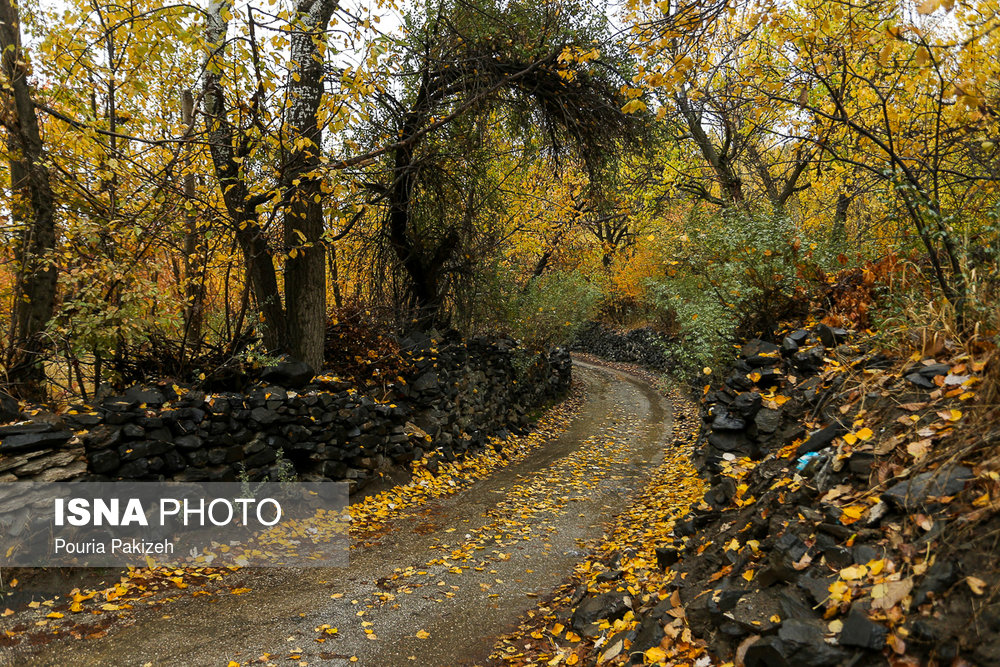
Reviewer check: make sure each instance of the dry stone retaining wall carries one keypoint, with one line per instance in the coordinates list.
(457, 394)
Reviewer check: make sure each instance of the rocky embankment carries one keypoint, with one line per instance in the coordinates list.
(837, 528)
(849, 518)
(453, 395)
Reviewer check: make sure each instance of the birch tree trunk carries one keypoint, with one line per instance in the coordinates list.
(305, 267)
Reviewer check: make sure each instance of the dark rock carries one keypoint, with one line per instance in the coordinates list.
(174, 462)
(103, 461)
(724, 599)
(836, 556)
(103, 436)
(940, 577)
(738, 381)
(134, 469)
(860, 631)
(911, 495)
(263, 416)
(722, 491)
(769, 377)
(747, 405)
(609, 575)
(763, 361)
(829, 336)
(83, 420)
(260, 458)
(817, 586)
(667, 556)
(724, 422)
(26, 427)
(426, 382)
(650, 634)
(152, 398)
(809, 361)
(754, 611)
(791, 547)
(789, 346)
(192, 475)
(766, 652)
(799, 336)
(934, 370)
(805, 645)
(768, 420)
(197, 457)
(288, 372)
(920, 381)
(756, 347)
(142, 449)
(188, 442)
(821, 439)
(865, 553)
(606, 606)
(33, 440)
(732, 442)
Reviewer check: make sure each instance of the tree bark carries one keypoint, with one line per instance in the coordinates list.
(33, 207)
(729, 181)
(838, 233)
(257, 255)
(194, 266)
(305, 266)
(423, 287)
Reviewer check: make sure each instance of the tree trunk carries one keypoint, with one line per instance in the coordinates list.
(838, 234)
(729, 181)
(338, 300)
(305, 267)
(194, 266)
(422, 284)
(257, 255)
(33, 206)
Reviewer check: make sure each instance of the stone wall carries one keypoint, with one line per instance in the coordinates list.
(645, 346)
(456, 394)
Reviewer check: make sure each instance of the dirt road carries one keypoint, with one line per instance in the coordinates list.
(436, 590)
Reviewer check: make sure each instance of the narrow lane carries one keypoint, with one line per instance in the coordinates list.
(437, 590)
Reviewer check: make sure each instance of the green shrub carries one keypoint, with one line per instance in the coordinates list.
(548, 311)
(736, 275)
(553, 308)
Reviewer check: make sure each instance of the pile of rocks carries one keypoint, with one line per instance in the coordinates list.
(736, 417)
(455, 395)
(644, 346)
(841, 525)
(773, 547)
(40, 451)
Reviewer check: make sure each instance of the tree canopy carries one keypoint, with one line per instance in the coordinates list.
(189, 184)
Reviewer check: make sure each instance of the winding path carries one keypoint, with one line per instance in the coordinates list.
(459, 576)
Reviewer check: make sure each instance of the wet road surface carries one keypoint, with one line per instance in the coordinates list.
(436, 590)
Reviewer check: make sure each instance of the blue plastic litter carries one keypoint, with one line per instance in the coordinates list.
(804, 460)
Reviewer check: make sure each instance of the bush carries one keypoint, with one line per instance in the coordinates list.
(736, 275)
(548, 311)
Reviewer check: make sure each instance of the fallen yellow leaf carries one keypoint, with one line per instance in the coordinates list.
(976, 584)
(655, 655)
